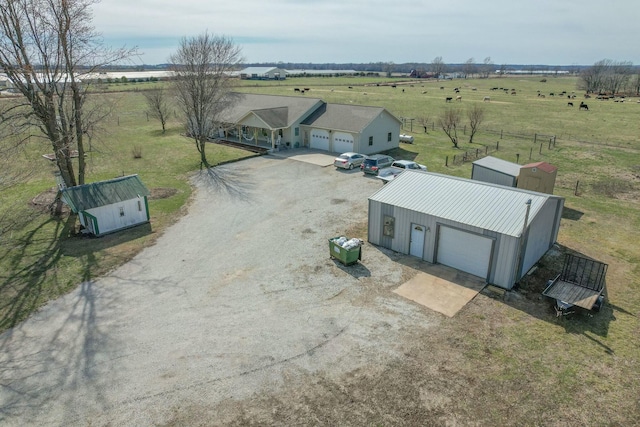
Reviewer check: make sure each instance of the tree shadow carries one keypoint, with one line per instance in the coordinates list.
(226, 179)
(33, 370)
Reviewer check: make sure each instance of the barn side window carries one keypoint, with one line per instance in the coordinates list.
(370, 140)
(121, 211)
(388, 226)
(139, 205)
(389, 137)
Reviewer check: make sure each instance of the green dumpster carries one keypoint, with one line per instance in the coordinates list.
(345, 256)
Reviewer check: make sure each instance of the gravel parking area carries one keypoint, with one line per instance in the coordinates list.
(236, 301)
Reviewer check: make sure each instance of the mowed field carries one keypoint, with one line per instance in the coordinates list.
(510, 361)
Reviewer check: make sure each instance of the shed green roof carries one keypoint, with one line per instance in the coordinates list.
(102, 193)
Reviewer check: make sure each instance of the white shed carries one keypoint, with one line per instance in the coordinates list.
(107, 206)
(496, 171)
(488, 230)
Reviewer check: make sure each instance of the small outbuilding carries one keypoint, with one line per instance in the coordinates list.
(496, 171)
(108, 206)
(539, 176)
(488, 230)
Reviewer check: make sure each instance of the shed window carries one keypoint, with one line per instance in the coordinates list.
(389, 225)
(121, 211)
(139, 205)
(389, 137)
(370, 140)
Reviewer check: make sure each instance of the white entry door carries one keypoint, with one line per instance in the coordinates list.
(416, 247)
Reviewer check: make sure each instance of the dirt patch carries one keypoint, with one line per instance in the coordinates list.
(162, 193)
(44, 202)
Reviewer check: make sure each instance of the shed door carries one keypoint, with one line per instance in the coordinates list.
(320, 139)
(416, 247)
(464, 251)
(342, 142)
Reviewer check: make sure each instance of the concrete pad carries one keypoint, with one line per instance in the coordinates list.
(442, 289)
(316, 157)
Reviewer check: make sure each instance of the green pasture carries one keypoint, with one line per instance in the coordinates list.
(524, 352)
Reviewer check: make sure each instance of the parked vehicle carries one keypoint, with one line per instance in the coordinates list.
(349, 160)
(388, 174)
(407, 164)
(372, 164)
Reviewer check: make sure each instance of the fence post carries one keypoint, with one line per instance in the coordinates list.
(477, 153)
(540, 148)
(497, 145)
(446, 161)
(464, 130)
(530, 152)
(500, 133)
(554, 141)
(118, 120)
(454, 159)
(575, 193)
(518, 158)
(486, 150)
(535, 138)
(550, 143)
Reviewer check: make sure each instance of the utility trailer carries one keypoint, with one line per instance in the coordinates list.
(580, 284)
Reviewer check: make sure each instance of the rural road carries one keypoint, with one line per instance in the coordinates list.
(238, 299)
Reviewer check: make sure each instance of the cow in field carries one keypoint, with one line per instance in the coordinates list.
(569, 104)
(486, 99)
(448, 99)
(584, 106)
(459, 98)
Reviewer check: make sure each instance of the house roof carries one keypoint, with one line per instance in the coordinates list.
(349, 118)
(499, 165)
(102, 193)
(488, 206)
(543, 166)
(277, 111)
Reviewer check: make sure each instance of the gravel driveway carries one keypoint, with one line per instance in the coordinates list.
(238, 299)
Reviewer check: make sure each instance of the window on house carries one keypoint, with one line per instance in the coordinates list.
(297, 131)
(370, 140)
(121, 211)
(389, 137)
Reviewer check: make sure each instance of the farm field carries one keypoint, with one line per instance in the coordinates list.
(514, 362)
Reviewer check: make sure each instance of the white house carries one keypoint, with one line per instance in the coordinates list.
(491, 231)
(108, 206)
(300, 121)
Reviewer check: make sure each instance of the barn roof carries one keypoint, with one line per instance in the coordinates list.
(543, 166)
(487, 206)
(499, 165)
(102, 193)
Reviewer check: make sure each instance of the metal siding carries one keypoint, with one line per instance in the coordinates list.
(375, 223)
(483, 174)
(386, 241)
(539, 238)
(503, 274)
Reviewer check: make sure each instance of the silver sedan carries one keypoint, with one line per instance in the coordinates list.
(349, 160)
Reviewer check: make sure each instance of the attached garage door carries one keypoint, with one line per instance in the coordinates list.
(320, 139)
(464, 251)
(342, 142)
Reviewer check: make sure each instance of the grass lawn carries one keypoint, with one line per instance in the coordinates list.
(519, 363)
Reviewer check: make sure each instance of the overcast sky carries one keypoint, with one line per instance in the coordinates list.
(551, 32)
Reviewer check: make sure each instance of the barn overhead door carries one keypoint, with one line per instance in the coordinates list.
(320, 139)
(464, 251)
(342, 142)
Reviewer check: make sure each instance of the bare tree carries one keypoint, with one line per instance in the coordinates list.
(47, 47)
(487, 67)
(475, 114)
(618, 76)
(449, 122)
(438, 66)
(469, 68)
(424, 122)
(202, 67)
(388, 68)
(158, 105)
